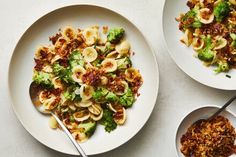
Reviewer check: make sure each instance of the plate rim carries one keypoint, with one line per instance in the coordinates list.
(182, 67)
(153, 53)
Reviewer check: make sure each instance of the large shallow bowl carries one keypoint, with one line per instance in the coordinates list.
(20, 77)
(184, 56)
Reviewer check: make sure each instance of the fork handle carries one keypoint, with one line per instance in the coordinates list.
(78, 147)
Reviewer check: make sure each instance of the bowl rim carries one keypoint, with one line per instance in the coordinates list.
(153, 53)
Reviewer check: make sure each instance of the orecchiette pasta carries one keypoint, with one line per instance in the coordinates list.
(87, 79)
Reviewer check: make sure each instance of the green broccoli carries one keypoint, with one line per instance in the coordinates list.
(75, 59)
(221, 10)
(127, 99)
(70, 94)
(111, 97)
(115, 35)
(124, 63)
(196, 24)
(207, 54)
(222, 67)
(190, 14)
(88, 128)
(42, 78)
(233, 36)
(99, 94)
(107, 120)
(62, 72)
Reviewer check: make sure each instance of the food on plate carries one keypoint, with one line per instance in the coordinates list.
(210, 27)
(87, 78)
(209, 138)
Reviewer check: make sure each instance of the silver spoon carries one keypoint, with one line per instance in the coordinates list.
(34, 91)
(218, 111)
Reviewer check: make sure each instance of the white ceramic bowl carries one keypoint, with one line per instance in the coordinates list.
(21, 71)
(195, 115)
(184, 56)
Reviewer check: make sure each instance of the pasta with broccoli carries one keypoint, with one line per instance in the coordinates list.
(209, 26)
(87, 79)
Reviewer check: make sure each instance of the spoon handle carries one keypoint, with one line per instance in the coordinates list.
(78, 147)
(223, 107)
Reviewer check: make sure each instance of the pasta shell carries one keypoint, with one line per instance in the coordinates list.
(79, 136)
(120, 116)
(104, 80)
(109, 65)
(220, 43)
(69, 33)
(43, 95)
(61, 43)
(53, 123)
(40, 52)
(131, 74)
(90, 54)
(47, 69)
(123, 48)
(113, 55)
(57, 83)
(77, 73)
(70, 125)
(81, 115)
(232, 19)
(111, 107)
(50, 103)
(95, 109)
(55, 58)
(90, 35)
(205, 16)
(187, 38)
(86, 92)
(97, 117)
(197, 44)
(86, 103)
(232, 2)
(124, 86)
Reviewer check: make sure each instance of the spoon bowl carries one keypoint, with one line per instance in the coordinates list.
(198, 114)
(34, 91)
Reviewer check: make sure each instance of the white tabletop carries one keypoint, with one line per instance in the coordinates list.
(178, 93)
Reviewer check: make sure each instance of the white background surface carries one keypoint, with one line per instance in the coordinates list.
(178, 93)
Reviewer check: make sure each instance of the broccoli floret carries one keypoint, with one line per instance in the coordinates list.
(190, 14)
(75, 59)
(111, 97)
(233, 36)
(107, 120)
(222, 67)
(88, 128)
(221, 10)
(63, 73)
(196, 24)
(127, 99)
(124, 63)
(99, 94)
(70, 94)
(207, 54)
(42, 78)
(115, 35)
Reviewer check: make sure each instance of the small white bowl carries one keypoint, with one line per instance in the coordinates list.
(200, 113)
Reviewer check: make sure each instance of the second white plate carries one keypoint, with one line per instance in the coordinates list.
(184, 56)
